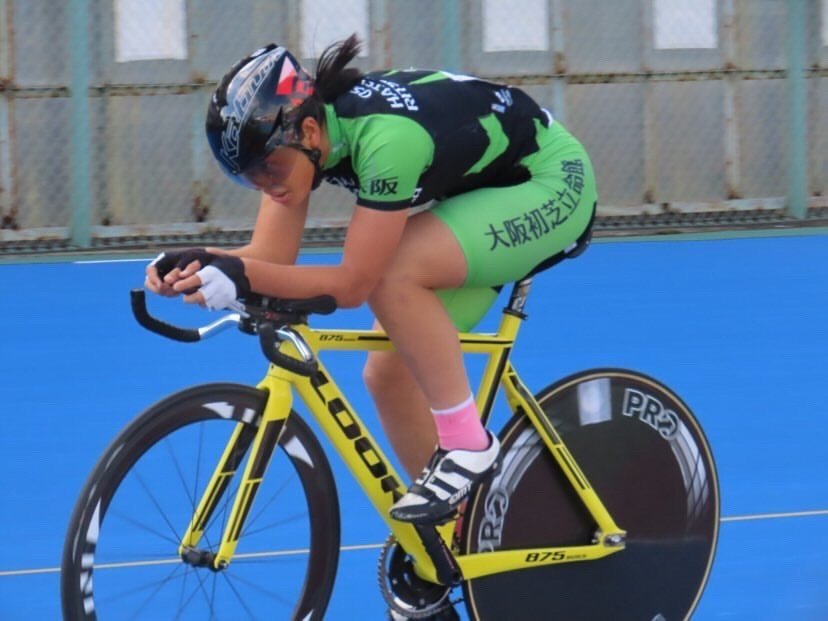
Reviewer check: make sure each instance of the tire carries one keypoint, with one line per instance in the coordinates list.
(649, 461)
(131, 514)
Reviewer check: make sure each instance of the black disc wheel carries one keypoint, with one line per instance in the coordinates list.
(121, 557)
(649, 462)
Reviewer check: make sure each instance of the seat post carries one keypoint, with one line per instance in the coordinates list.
(517, 300)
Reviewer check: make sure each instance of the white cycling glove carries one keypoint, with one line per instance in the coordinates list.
(223, 282)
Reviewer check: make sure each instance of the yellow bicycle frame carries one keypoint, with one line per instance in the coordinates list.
(375, 474)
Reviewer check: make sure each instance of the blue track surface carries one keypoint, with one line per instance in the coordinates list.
(736, 327)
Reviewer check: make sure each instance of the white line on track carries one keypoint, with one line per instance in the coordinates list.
(367, 546)
(99, 261)
(773, 516)
(173, 560)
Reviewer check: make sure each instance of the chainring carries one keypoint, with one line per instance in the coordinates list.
(403, 590)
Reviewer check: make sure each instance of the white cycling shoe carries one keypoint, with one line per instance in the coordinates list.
(445, 483)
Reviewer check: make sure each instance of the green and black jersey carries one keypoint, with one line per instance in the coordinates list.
(514, 187)
(403, 138)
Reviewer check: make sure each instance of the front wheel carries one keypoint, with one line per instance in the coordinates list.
(128, 523)
(649, 462)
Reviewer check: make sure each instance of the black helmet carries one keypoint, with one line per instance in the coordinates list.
(249, 113)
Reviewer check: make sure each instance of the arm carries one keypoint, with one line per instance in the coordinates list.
(277, 235)
(276, 238)
(370, 244)
(392, 155)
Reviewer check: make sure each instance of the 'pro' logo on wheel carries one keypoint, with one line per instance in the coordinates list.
(651, 411)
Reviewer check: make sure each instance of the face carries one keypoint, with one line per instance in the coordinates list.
(286, 175)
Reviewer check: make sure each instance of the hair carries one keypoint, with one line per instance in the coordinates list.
(332, 78)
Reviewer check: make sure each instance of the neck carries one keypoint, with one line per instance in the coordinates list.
(324, 145)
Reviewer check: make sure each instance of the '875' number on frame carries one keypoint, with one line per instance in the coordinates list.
(542, 557)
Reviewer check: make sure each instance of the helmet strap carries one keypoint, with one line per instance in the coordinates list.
(314, 155)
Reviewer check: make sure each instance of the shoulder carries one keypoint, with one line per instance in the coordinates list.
(388, 92)
(385, 128)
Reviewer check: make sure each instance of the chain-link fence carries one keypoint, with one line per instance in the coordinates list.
(696, 112)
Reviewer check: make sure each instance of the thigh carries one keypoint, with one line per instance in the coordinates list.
(429, 254)
(467, 305)
(432, 256)
(506, 232)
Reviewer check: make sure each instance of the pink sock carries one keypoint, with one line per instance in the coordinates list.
(460, 427)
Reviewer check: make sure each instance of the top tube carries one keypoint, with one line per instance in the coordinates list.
(278, 311)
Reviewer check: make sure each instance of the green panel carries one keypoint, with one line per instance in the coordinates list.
(498, 142)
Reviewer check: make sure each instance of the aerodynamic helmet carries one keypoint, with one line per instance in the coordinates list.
(252, 109)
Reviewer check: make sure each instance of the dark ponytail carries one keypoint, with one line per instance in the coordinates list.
(333, 76)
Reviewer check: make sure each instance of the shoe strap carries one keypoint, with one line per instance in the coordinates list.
(451, 466)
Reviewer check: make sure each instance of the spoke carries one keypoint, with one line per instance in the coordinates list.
(271, 594)
(198, 462)
(192, 497)
(155, 502)
(264, 507)
(207, 597)
(154, 583)
(238, 596)
(181, 603)
(179, 471)
(213, 599)
(142, 526)
(282, 522)
(192, 593)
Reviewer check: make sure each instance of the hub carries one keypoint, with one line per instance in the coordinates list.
(200, 558)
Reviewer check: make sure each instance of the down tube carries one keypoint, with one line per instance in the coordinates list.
(363, 457)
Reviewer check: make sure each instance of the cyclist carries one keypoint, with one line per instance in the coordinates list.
(509, 192)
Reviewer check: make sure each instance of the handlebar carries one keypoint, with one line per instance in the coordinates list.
(268, 317)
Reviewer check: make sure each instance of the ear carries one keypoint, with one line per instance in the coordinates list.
(311, 132)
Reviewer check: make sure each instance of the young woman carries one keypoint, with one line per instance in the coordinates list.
(513, 192)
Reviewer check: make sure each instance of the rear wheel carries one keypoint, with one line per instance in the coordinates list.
(648, 460)
(128, 523)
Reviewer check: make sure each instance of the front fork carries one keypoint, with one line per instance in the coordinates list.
(260, 440)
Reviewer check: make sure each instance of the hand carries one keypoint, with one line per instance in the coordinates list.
(172, 266)
(217, 285)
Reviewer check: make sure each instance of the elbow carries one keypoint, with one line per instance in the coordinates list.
(353, 293)
(350, 298)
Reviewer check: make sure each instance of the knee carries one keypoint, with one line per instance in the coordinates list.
(394, 288)
(383, 371)
(383, 291)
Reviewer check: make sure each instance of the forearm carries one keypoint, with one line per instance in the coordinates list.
(273, 254)
(306, 281)
(277, 236)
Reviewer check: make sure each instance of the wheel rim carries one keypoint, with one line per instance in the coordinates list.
(131, 538)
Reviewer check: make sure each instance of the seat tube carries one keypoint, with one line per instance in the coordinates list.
(510, 323)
